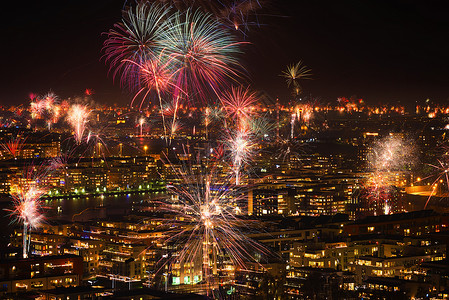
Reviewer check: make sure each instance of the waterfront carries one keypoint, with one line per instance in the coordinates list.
(85, 208)
(81, 208)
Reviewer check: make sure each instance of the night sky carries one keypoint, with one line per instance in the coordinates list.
(381, 51)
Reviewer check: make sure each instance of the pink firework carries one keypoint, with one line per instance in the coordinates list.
(44, 106)
(14, 146)
(78, 117)
(51, 105)
(205, 53)
(155, 75)
(137, 38)
(238, 104)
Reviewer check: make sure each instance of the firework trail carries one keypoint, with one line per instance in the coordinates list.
(52, 108)
(212, 114)
(261, 127)
(238, 13)
(439, 176)
(77, 117)
(287, 149)
(155, 74)
(14, 146)
(95, 140)
(302, 114)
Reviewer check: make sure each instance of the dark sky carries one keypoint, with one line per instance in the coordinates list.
(381, 51)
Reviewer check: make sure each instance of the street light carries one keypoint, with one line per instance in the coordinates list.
(145, 148)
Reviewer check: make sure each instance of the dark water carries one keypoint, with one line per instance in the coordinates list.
(82, 209)
(78, 209)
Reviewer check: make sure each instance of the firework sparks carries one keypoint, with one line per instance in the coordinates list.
(439, 177)
(241, 146)
(206, 224)
(155, 75)
(287, 150)
(236, 14)
(27, 208)
(39, 106)
(78, 117)
(391, 154)
(238, 105)
(27, 211)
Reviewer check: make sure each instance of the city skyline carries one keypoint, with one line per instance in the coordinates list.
(232, 149)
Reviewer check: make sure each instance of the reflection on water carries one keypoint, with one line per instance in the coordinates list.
(82, 209)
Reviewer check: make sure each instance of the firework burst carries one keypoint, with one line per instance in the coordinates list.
(204, 51)
(392, 153)
(155, 75)
(294, 73)
(136, 39)
(28, 211)
(14, 146)
(238, 103)
(389, 156)
(206, 225)
(236, 14)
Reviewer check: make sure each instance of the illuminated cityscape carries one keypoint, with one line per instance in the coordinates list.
(187, 178)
